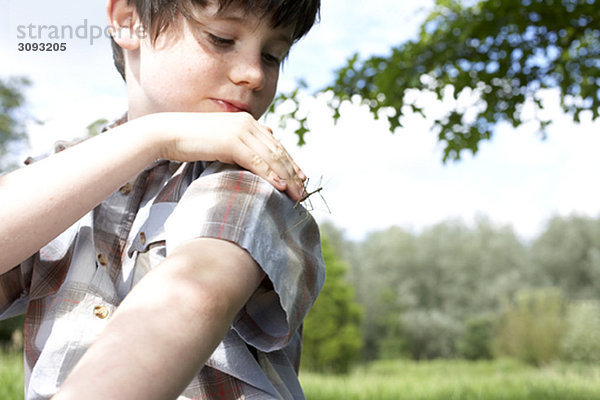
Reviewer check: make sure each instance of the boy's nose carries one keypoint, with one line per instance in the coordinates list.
(248, 71)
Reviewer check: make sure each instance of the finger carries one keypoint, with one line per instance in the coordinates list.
(297, 169)
(251, 157)
(275, 154)
(294, 175)
(279, 152)
(296, 190)
(277, 160)
(257, 158)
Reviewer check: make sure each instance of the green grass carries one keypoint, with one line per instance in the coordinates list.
(447, 380)
(433, 380)
(11, 376)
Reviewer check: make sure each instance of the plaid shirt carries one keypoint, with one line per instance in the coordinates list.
(71, 287)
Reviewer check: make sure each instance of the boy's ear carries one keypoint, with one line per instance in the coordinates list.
(126, 29)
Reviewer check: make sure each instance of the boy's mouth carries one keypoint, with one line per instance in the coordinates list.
(232, 106)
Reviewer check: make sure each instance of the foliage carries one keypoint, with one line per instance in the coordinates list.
(475, 342)
(429, 334)
(452, 289)
(95, 127)
(567, 255)
(581, 341)
(11, 333)
(346, 250)
(332, 340)
(494, 57)
(456, 379)
(532, 328)
(380, 270)
(444, 276)
(12, 115)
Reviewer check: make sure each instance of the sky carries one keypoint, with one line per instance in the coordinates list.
(371, 179)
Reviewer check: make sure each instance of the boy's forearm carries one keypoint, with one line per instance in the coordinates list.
(167, 327)
(42, 200)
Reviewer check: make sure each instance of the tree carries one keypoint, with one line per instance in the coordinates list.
(344, 248)
(501, 54)
(439, 280)
(332, 339)
(567, 255)
(467, 271)
(581, 341)
(12, 115)
(429, 334)
(386, 274)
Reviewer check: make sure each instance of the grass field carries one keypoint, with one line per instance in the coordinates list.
(448, 380)
(399, 380)
(11, 376)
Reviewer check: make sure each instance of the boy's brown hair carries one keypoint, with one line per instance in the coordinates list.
(157, 15)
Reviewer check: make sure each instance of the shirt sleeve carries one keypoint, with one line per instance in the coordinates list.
(14, 295)
(228, 203)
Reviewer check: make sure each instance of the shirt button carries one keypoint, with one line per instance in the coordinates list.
(143, 238)
(102, 260)
(125, 189)
(101, 312)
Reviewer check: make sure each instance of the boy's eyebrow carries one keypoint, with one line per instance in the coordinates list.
(234, 17)
(284, 38)
(237, 16)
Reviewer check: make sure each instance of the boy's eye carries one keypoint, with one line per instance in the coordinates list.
(271, 59)
(219, 41)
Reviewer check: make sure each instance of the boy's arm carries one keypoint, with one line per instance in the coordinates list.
(168, 326)
(42, 200)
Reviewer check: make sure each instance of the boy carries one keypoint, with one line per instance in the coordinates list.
(209, 268)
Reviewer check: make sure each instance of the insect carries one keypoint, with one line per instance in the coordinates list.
(308, 206)
(307, 194)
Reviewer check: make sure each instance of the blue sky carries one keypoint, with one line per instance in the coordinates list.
(372, 179)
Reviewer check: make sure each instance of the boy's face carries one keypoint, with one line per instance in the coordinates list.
(224, 62)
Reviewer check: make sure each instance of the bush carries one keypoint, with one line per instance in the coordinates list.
(476, 340)
(429, 334)
(582, 340)
(11, 333)
(531, 329)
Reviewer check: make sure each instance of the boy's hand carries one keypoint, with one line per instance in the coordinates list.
(232, 138)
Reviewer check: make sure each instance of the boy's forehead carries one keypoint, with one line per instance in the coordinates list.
(238, 11)
(225, 8)
(232, 9)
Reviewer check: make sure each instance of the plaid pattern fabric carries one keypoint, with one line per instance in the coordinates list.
(71, 287)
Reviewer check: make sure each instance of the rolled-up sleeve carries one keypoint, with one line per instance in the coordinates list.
(14, 288)
(231, 204)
